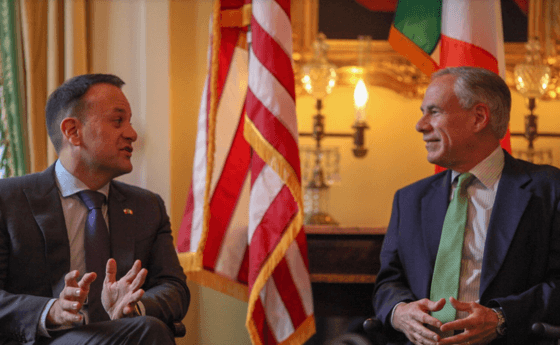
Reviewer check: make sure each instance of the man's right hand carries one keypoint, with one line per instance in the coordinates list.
(65, 310)
(411, 318)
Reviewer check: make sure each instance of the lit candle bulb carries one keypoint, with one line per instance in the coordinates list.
(360, 100)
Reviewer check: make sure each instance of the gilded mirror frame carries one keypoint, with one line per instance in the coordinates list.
(388, 68)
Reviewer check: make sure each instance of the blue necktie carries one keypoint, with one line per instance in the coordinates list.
(98, 247)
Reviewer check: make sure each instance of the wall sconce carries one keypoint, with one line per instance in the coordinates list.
(539, 76)
(319, 78)
(531, 80)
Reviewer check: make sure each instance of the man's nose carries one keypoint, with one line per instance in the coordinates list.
(423, 124)
(131, 134)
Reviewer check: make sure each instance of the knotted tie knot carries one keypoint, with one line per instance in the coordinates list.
(463, 182)
(92, 199)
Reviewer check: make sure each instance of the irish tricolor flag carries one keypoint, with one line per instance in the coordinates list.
(435, 34)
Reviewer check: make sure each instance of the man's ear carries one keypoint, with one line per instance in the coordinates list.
(482, 117)
(71, 129)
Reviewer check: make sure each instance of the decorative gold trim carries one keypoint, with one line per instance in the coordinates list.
(280, 165)
(343, 278)
(389, 69)
(220, 284)
(343, 230)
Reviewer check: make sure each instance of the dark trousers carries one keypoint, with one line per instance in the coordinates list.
(138, 330)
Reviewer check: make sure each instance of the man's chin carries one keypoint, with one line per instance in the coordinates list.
(123, 170)
(436, 159)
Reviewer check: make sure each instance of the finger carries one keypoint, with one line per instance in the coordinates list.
(436, 305)
(432, 321)
(136, 296)
(69, 305)
(133, 272)
(425, 335)
(456, 339)
(140, 279)
(424, 341)
(70, 317)
(458, 305)
(425, 318)
(86, 280)
(111, 271)
(72, 293)
(462, 324)
(70, 279)
(129, 308)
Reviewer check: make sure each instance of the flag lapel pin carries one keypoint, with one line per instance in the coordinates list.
(128, 211)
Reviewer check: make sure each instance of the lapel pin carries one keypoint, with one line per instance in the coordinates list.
(128, 211)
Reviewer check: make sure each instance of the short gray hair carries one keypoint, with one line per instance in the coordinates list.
(475, 85)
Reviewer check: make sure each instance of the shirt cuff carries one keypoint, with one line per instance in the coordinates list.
(42, 328)
(393, 313)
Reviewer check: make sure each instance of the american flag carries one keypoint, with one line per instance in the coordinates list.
(242, 230)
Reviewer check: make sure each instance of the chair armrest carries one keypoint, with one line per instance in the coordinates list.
(546, 330)
(179, 330)
(372, 326)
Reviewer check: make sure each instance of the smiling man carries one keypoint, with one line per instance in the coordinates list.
(84, 258)
(472, 254)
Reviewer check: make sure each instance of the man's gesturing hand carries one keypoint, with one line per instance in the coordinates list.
(119, 297)
(410, 319)
(65, 310)
(479, 327)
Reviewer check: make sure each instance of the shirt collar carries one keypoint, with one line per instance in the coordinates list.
(489, 170)
(69, 184)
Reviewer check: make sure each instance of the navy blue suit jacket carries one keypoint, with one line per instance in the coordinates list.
(35, 252)
(521, 263)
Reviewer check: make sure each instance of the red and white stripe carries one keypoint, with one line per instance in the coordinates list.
(280, 301)
(250, 237)
(226, 240)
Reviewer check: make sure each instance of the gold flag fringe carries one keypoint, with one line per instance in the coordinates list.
(280, 165)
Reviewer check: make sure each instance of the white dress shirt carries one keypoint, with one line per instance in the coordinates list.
(482, 193)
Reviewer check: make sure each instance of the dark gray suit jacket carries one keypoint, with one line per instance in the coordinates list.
(35, 252)
(521, 264)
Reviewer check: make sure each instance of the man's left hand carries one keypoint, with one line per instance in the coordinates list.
(120, 297)
(478, 328)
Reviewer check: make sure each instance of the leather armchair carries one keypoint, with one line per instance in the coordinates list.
(373, 327)
(179, 330)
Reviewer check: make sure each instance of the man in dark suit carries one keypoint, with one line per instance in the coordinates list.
(510, 260)
(48, 292)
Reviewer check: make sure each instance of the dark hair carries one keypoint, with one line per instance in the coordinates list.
(66, 101)
(475, 85)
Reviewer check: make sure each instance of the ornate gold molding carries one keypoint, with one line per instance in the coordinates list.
(388, 69)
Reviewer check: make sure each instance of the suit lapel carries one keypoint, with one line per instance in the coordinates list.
(122, 237)
(509, 206)
(44, 201)
(434, 207)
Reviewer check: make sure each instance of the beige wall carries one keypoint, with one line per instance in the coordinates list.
(213, 318)
(130, 39)
(396, 155)
(159, 48)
